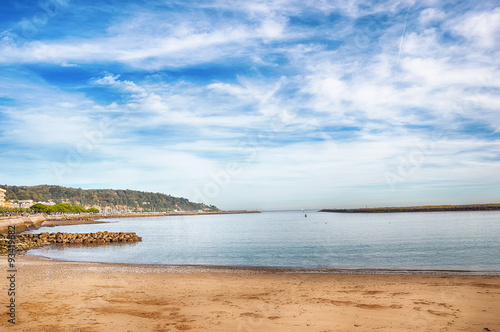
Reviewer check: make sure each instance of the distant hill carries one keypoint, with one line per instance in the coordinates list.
(101, 198)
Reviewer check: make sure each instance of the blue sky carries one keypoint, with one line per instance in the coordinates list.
(255, 104)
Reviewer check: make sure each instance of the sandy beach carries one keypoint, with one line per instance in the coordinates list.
(75, 296)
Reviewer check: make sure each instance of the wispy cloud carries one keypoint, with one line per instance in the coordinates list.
(318, 104)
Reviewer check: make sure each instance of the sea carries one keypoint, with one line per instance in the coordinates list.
(456, 241)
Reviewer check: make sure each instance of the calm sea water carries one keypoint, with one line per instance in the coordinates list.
(431, 240)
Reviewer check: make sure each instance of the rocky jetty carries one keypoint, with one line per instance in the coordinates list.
(30, 241)
(437, 208)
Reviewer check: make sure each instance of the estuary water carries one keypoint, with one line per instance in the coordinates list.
(404, 241)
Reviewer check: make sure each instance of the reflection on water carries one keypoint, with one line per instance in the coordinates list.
(432, 240)
(66, 246)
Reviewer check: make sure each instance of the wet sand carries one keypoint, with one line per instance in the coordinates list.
(53, 223)
(75, 296)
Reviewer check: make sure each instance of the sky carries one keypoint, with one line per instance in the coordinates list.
(255, 104)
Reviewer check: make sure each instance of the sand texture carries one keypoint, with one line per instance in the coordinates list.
(71, 296)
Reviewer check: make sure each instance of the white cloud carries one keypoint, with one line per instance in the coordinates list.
(149, 42)
(431, 15)
(435, 73)
(481, 29)
(107, 80)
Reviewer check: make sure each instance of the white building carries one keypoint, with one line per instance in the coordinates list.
(23, 203)
(2, 196)
(47, 203)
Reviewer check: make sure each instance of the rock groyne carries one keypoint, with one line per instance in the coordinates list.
(23, 242)
(436, 208)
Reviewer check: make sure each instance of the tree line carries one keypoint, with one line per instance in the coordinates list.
(62, 208)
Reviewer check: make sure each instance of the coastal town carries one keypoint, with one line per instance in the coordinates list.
(28, 203)
(47, 198)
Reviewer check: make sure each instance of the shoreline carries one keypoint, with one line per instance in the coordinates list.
(283, 270)
(71, 296)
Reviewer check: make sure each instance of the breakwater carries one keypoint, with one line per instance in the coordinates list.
(24, 242)
(439, 208)
(21, 223)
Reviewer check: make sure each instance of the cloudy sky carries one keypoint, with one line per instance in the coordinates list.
(255, 104)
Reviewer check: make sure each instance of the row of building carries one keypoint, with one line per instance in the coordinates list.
(2, 196)
(26, 203)
(23, 203)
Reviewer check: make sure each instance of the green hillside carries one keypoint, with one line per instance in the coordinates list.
(133, 199)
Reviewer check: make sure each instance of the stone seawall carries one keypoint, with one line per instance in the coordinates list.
(21, 224)
(31, 241)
